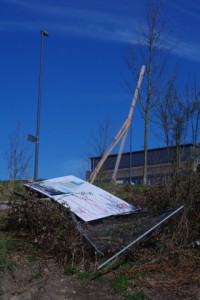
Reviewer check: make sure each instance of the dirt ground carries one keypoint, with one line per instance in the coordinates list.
(35, 275)
(44, 280)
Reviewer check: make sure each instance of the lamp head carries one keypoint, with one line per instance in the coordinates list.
(44, 33)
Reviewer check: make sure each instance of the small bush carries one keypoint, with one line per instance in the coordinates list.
(84, 276)
(2, 262)
(32, 258)
(69, 270)
(49, 226)
(119, 284)
(137, 296)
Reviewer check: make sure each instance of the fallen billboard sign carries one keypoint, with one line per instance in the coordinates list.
(84, 199)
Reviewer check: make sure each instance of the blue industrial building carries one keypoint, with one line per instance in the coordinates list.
(161, 164)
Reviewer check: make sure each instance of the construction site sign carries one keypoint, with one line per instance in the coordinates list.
(86, 200)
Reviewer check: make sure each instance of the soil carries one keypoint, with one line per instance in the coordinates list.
(44, 280)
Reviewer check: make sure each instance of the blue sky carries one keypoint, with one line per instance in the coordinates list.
(83, 73)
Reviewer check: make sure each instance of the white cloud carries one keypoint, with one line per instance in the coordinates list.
(82, 22)
(185, 48)
(90, 23)
(24, 26)
(187, 9)
(188, 50)
(72, 13)
(99, 32)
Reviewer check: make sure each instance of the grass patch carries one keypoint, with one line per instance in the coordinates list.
(119, 284)
(11, 266)
(38, 275)
(5, 244)
(140, 275)
(84, 276)
(32, 258)
(9, 249)
(5, 247)
(126, 266)
(137, 296)
(2, 262)
(69, 270)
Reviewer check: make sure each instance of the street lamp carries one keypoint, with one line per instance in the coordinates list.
(35, 138)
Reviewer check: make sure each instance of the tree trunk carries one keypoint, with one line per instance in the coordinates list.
(145, 149)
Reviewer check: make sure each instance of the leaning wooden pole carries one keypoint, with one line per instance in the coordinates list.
(117, 138)
(120, 135)
(129, 121)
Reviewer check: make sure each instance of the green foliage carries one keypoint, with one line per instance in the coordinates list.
(32, 258)
(84, 276)
(126, 266)
(9, 246)
(119, 283)
(69, 270)
(38, 274)
(11, 266)
(5, 246)
(2, 262)
(137, 296)
(49, 225)
(142, 274)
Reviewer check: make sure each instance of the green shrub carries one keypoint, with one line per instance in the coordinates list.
(119, 284)
(137, 296)
(69, 270)
(84, 276)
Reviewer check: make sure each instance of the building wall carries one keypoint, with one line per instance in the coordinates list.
(161, 173)
(159, 169)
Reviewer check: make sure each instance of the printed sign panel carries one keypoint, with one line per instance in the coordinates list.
(84, 199)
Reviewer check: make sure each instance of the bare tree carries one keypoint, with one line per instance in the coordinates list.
(18, 159)
(153, 52)
(178, 117)
(193, 98)
(101, 140)
(174, 115)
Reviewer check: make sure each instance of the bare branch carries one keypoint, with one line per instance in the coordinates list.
(18, 159)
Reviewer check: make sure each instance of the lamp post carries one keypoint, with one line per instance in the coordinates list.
(43, 34)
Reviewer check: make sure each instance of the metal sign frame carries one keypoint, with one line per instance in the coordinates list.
(139, 238)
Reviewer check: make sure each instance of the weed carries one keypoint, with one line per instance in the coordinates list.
(99, 275)
(142, 274)
(49, 225)
(69, 270)
(5, 244)
(2, 262)
(119, 284)
(137, 296)
(32, 258)
(37, 275)
(84, 276)
(11, 266)
(126, 266)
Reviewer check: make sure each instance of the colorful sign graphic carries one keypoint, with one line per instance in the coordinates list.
(84, 199)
